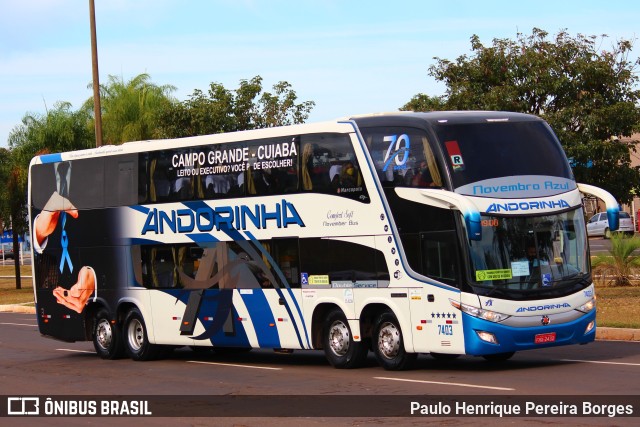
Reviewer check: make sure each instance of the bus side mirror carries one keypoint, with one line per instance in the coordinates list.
(613, 209)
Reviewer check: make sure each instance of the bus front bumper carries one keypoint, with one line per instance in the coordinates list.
(509, 338)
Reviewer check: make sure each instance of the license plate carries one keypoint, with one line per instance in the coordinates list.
(545, 338)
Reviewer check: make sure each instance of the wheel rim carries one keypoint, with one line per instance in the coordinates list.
(389, 340)
(104, 334)
(339, 338)
(135, 334)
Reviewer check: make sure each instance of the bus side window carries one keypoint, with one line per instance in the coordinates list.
(346, 264)
(158, 267)
(120, 180)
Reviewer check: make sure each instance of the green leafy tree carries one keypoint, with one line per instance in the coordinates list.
(12, 207)
(588, 95)
(60, 129)
(224, 110)
(130, 109)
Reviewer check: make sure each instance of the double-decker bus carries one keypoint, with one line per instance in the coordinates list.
(446, 233)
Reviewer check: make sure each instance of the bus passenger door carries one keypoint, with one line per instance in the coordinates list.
(168, 299)
(440, 322)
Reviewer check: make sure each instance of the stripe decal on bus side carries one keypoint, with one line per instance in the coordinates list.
(51, 158)
(264, 323)
(243, 311)
(299, 319)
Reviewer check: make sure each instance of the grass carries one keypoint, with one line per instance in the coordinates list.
(8, 292)
(618, 307)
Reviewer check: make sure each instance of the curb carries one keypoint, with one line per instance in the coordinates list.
(617, 334)
(602, 333)
(17, 309)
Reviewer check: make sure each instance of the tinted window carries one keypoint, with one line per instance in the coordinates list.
(321, 163)
(329, 165)
(79, 182)
(342, 264)
(403, 157)
(226, 265)
(482, 151)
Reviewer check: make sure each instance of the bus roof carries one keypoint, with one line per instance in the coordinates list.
(440, 117)
(400, 118)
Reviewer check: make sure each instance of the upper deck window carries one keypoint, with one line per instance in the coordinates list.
(403, 157)
(482, 151)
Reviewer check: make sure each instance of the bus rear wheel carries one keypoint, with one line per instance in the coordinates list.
(107, 339)
(339, 347)
(135, 338)
(389, 344)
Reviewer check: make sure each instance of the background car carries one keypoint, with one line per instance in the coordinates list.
(598, 225)
(6, 252)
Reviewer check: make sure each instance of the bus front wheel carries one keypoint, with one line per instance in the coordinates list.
(389, 345)
(339, 347)
(135, 338)
(107, 339)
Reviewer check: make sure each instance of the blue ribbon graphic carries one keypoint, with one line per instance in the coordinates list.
(64, 242)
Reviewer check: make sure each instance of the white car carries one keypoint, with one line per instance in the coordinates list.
(598, 225)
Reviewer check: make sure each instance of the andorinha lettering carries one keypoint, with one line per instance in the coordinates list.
(527, 206)
(205, 219)
(543, 307)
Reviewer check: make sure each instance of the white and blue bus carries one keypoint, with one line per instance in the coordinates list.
(446, 233)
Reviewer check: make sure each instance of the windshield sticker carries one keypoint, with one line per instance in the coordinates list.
(319, 280)
(482, 275)
(520, 268)
(455, 155)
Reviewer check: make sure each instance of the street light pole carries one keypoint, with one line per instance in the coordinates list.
(96, 82)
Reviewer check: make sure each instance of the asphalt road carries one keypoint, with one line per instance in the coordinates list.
(32, 365)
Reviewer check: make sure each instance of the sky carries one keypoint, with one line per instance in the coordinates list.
(348, 56)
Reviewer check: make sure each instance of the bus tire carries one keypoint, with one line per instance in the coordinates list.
(340, 349)
(107, 339)
(136, 339)
(388, 344)
(499, 357)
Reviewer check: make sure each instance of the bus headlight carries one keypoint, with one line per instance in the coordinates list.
(588, 306)
(491, 316)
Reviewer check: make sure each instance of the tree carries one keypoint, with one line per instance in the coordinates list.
(223, 110)
(130, 109)
(12, 204)
(59, 130)
(588, 95)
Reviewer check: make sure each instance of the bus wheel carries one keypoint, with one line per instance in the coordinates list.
(107, 339)
(389, 345)
(135, 337)
(339, 347)
(499, 357)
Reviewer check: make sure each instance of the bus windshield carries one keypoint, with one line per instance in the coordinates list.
(530, 253)
(482, 151)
